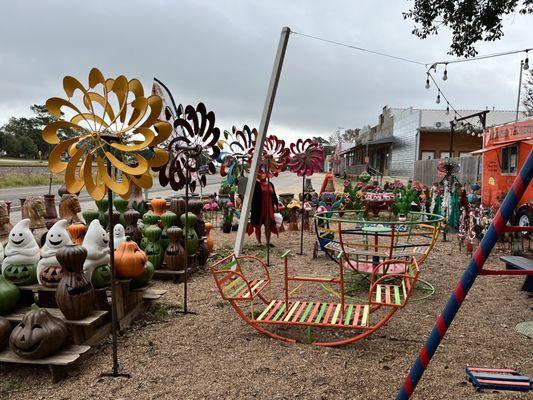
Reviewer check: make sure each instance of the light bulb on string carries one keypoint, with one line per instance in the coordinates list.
(438, 98)
(448, 109)
(455, 119)
(445, 74)
(526, 62)
(427, 82)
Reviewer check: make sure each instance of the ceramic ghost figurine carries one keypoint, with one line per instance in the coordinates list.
(96, 242)
(21, 255)
(48, 268)
(119, 235)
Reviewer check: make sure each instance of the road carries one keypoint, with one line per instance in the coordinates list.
(285, 182)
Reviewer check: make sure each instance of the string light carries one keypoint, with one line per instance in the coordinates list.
(427, 82)
(445, 75)
(447, 108)
(438, 98)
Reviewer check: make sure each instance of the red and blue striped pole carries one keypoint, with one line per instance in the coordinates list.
(467, 280)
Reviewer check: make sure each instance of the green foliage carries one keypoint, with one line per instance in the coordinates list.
(16, 179)
(527, 97)
(470, 21)
(22, 137)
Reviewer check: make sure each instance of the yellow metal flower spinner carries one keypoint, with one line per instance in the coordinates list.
(117, 132)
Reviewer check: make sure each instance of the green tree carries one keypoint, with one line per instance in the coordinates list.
(470, 21)
(527, 97)
(22, 137)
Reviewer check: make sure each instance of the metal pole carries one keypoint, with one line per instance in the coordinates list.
(519, 89)
(467, 280)
(263, 128)
(302, 224)
(114, 321)
(186, 229)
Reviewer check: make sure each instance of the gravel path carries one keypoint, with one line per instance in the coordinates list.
(215, 355)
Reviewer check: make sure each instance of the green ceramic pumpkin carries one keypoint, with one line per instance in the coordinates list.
(101, 276)
(21, 274)
(145, 278)
(153, 251)
(121, 206)
(191, 239)
(150, 218)
(90, 215)
(169, 219)
(103, 207)
(9, 295)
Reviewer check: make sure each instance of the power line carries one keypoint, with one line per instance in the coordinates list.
(477, 58)
(379, 53)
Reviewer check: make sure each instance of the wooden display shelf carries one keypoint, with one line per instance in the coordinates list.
(57, 363)
(176, 275)
(93, 317)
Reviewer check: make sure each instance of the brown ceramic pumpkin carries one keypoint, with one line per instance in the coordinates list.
(77, 233)
(38, 335)
(159, 205)
(51, 275)
(175, 257)
(75, 295)
(130, 260)
(5, 331)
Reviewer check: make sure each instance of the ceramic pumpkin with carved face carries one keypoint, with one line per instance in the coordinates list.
(130, 260)
(5, 331)
(38, 335)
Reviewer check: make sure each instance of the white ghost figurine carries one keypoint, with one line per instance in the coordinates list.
(21, 246)
(96, 242)
(56, 238)
(119, 236)
(1, 253)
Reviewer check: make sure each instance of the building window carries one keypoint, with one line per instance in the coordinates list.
(428, 155)
(464, 154)
(509, 160)
(444, 154)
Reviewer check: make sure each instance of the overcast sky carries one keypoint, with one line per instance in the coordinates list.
(221, 52)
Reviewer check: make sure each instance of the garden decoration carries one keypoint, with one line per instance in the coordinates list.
(193, 148)
(121, 205)
(130, 260)
(89, 216)
(175, 257)
(103, 206)
(237, 161)
(49, 271)
(77, 232)
(38, 335)
(5, 223)
(1, 252)
(119, 234)
(50, 215)
(5, 331)
(365, 242)
(75, 294)
(119, 132)
(208, 238)
(9, 295)
(69, 207)
(473, 269)
(21, 255)
(498, 379)
(449, 169)
(273, 159)
(307, 157)
(33, 208)
(169, 219)
(96, 242)
(132, 229)
(153, 248)
(388, 293)
(148, 219)
(293, 207)
(159, 205)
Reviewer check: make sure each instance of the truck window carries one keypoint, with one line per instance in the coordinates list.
(509, 155)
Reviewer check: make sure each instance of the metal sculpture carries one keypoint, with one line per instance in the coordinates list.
(237, 160)
(274, 157)
(307, 158)
(192, 147)
(118, 131)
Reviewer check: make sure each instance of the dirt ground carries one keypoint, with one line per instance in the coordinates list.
(215, 355)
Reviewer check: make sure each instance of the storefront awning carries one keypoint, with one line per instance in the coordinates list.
(527, 140)
(389, 139)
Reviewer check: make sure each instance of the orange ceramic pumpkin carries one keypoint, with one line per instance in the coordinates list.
(159, 206)
(130, 260)
(77, 233)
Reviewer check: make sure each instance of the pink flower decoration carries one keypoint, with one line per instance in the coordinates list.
(273, 158)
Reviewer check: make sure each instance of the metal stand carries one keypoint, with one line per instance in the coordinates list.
(303, 216)
(114, 321)
(267, 205)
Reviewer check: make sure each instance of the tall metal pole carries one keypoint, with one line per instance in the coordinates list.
(466, 282)
(519, 89)
(263, 128)
(302, 223)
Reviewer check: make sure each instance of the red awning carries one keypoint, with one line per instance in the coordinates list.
(496, 146)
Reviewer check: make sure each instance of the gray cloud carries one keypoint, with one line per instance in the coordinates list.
(221, 53)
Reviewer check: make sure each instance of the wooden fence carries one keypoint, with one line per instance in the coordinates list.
(469, 172)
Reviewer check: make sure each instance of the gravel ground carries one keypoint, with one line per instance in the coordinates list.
(215, 355)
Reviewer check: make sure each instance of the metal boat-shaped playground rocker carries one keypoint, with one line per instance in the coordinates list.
(388, 252)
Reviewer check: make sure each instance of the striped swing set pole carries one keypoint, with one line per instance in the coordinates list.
(467, 280)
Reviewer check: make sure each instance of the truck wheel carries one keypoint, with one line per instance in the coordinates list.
(524, 218)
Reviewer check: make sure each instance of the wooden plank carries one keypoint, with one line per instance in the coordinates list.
(274, 310)
(328, 313)
(387, 294)
(154, 294)
(307, 311)
(300, 310)
(65, 356)
(348, 315)
(336, 314)
(94, 316)
(313, 313)
(404, 289)
(280, 312)
(321, 313)
(378, 294)
(356, 315)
